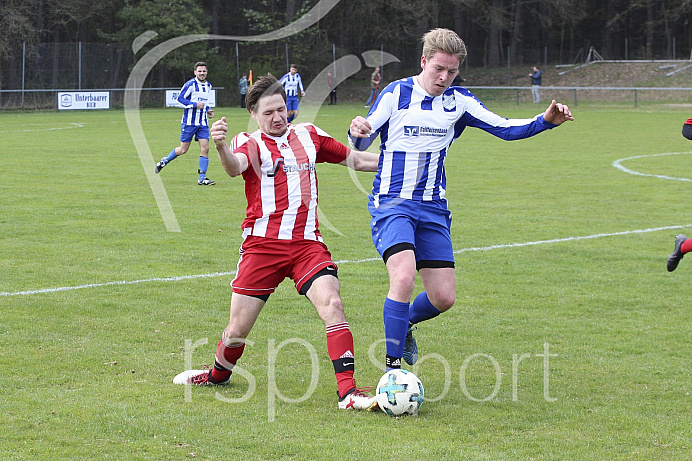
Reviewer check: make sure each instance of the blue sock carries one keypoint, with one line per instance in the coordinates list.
(171, 156)
(290, 118)
(422, 309)
(203, 165)
(395, 315)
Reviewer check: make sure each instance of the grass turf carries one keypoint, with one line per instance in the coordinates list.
(569, 340)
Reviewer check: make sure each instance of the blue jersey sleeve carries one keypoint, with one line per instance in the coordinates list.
(476, 115)
(378, 116)
(185, 93)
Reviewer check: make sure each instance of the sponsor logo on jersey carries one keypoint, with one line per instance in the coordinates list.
(414, 131)
(280, 164)
(410, 130)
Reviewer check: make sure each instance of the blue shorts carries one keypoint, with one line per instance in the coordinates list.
(188, 131)
(292, 103)
(425, 225)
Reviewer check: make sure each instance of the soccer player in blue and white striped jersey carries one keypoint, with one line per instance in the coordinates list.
(194, 95)
(292, 84)
(417, 119)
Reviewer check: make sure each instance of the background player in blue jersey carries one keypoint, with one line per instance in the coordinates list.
(417, 119)
(194, 95)
(292, 84)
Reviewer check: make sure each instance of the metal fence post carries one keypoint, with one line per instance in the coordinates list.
(23, 70)
(79, 77)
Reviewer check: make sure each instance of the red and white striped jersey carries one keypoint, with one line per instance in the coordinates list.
(280, 181)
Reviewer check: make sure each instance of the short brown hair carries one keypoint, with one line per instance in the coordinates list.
(444, 40)
(266, 85)
(199, 64)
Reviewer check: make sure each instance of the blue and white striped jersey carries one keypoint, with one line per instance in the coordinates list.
(293, 85)
(190, 94)
(416, 131)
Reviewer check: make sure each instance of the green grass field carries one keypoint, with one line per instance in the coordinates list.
(569, 339)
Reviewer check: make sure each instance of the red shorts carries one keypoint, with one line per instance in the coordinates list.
(265, 262)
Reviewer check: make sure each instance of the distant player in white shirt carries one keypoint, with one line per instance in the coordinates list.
(281, 235)
(417, 120)
(194, 95)
(293, 85)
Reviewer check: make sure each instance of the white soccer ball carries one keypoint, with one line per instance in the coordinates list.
(400, 392)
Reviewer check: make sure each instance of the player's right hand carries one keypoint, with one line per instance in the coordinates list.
(360, 127)
(219, 130)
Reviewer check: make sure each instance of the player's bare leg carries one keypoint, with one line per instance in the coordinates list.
(243, 315)
(324, 295)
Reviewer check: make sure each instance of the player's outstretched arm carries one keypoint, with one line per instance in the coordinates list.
(360, 127)
(557, 113)
(234, 164)
(361, 160)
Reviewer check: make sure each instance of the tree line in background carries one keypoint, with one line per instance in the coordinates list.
(525, 31)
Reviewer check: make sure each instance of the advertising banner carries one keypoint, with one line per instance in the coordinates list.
(84, 100)
(172, 99)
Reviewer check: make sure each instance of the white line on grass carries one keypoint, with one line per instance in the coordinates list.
(121, 282)
(358, 261)
(25, 130)
(618, 164)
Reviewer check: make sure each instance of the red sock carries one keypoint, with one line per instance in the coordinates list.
(340, 348)
(226, 358)
(686, 246)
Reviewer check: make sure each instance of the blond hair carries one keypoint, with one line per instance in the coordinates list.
(444, 40)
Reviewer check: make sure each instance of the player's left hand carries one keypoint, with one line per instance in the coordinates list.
(557, 113)
(210, 113)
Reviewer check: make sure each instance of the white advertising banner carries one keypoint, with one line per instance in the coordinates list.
(172, 99)
(84, 100)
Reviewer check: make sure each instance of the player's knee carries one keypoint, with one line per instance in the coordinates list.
(335, 305)
(233, 336)
(403, 280)
(333, 311)
(442, 301)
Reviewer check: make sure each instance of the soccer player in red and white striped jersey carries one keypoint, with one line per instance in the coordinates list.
(281, 233)
(687, 129)
(683, 245)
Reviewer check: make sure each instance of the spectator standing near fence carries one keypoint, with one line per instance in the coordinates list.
(332, 89)
(536, 84)
(242, 87)
(374, 85)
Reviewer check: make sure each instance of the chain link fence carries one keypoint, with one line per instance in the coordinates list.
(28, 82)
(33, 79)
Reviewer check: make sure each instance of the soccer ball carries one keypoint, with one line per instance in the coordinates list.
(399, 392)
